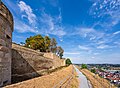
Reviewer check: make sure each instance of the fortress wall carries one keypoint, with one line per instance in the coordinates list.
(6, 29)
(56, 60)
(28, 63)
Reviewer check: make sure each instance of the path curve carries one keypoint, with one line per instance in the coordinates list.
(84, 83)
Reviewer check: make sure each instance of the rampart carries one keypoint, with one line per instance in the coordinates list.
(6, 29)
(28, 63)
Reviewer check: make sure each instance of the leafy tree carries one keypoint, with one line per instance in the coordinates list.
(59, 51)
(84, 66)
(93, 70)
(68, 61)
(36, 42)
(53, 45)
(44, 44)
(47, 41)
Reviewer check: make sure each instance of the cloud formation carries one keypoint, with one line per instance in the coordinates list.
(23, 27)
(28, 12)
(72, 53)
(51, 25)
(43, 24)
(108, 10)
(102, 46)
(84, 47)
(115, 33)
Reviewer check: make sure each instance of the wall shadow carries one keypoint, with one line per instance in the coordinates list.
(21, 69)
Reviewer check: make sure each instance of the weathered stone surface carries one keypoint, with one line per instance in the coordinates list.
(4, 49)
(56, 60)
(1, 59)
(2, 42)
(1, 54)
(6, 28)
(7, 57)
(28, 63)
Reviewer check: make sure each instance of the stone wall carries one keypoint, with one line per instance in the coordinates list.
(28, 63)
(6, 29)
(56, 60)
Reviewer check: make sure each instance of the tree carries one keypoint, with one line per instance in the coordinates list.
(36, 42)
(44, 44)
(68, 61)
(53, 45)
(47, 41)
(59, 51)
(84, 66)
(93, 70)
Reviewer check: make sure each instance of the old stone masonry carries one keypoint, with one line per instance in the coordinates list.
(6, 29)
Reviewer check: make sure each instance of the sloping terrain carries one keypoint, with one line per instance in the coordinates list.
(65, 77)
(96, 81)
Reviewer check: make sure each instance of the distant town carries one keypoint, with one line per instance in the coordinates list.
(110, 72)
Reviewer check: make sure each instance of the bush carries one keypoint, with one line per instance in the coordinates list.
(68, 62)
(84, 66)
(93, 70)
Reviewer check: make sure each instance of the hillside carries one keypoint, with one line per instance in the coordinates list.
(66, 78)
(96, 81)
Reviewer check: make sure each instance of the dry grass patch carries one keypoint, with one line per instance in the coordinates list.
(74, 82)
(47, 81)
(96, 81)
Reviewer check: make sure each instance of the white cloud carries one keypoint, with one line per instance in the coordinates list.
(110, 9)
(43, 24)
(96, 53)
(115, 33)
(93, 37)
(84, 47)
(51, 24)
(102, 46)
(92, 57)
(117, 43)
(101, 42)
(72, 53)
(28, 11)
(90, 33)
(22, 27)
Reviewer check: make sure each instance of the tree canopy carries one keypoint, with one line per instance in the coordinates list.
(84, 66)
(36, 42)
(53, 45)
(68, 61)
(59, 51)
(44, 44)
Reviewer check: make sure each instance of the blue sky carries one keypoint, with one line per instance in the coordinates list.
(88, 30)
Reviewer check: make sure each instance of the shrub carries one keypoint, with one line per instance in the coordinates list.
(68, 61)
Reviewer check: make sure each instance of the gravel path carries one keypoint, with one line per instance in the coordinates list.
(84, 83)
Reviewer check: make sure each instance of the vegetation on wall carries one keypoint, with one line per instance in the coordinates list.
(44, 44)
(68, 61)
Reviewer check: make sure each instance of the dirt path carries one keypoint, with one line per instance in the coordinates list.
(84, 83)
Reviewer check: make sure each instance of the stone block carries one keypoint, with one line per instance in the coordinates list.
(1, 54)
(1, 59)
(7, 56)
(2, 42)
(4, 49)
(6, 28)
